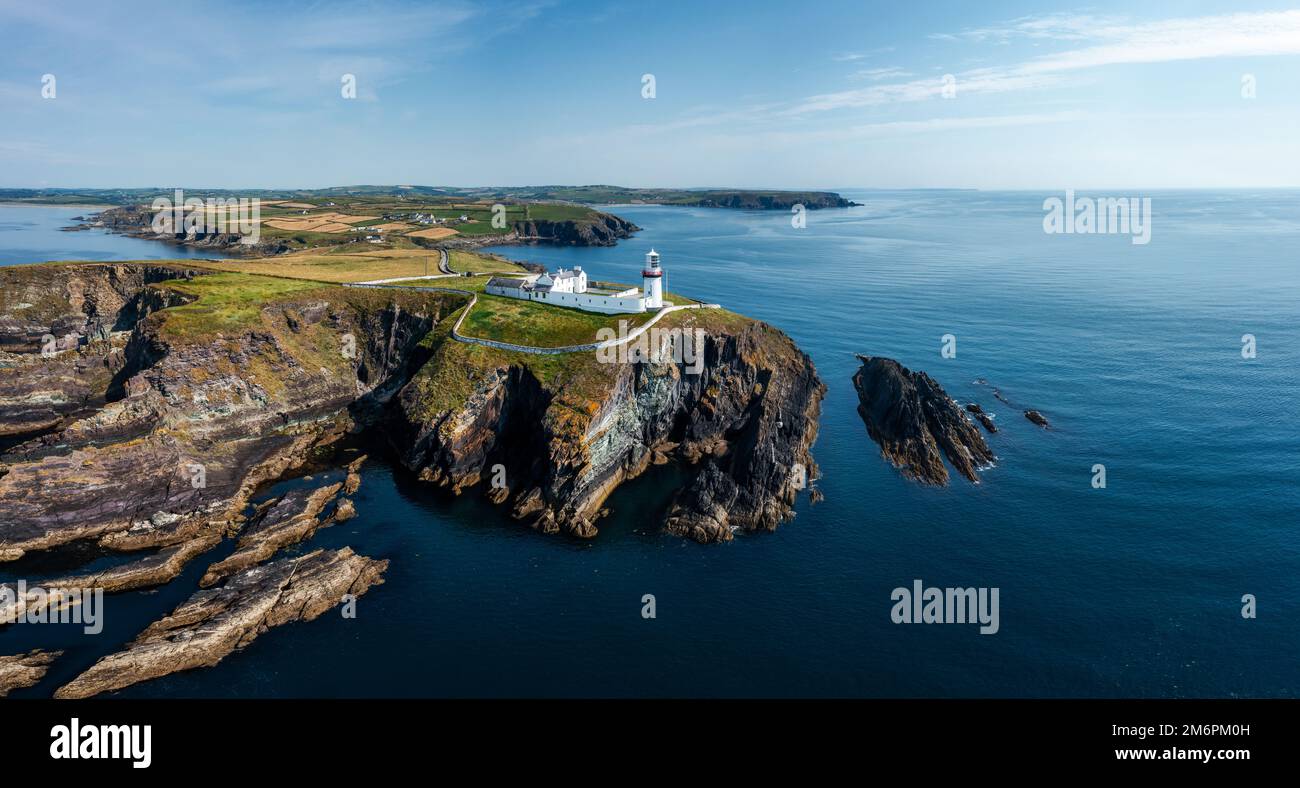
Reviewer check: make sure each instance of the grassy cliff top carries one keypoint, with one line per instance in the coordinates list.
(579, 382)
(225, 302)
(232, 296)
(493, 317)
(360, 263)
(225, 306)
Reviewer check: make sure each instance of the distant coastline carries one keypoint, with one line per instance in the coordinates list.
(405, 216)
(81, 205)
(757, 199)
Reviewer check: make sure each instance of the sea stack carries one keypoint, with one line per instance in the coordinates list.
(916, 423)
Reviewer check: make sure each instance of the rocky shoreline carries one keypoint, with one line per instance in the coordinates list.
(214, 623)
(601, 229)
(768, 201)
(25, 670)
(744, 427)
(177, 424)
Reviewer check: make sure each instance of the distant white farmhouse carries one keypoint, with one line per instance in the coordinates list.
(569, 288)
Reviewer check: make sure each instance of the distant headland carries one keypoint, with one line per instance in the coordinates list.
(757, 199)
(275, 222)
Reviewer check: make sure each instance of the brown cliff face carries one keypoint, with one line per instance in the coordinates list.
(916, 423)
(194, 413)
(744, 426)
(210, 386)
(64, 336)
(602, 229)
(190, 424)
(86, 301)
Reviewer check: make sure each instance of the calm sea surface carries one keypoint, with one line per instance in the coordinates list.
(1133, 352)
(34, 233)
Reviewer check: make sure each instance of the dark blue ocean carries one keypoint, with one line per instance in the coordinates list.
(1132, 351)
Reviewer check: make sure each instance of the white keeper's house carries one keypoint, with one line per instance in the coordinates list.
(570, 288)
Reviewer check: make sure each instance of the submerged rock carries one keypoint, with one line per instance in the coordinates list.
(353, 481)
(344, 510)
(215, 622)
(1032, 415)
(25, 670)
(916, 423)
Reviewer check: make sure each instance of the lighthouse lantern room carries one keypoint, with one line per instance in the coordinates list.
(652, 281)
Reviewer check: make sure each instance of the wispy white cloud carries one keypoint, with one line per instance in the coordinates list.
(1058, 27)
(975, 81)
(734, 141)
(1192, 38)
(878, 74)
(976, 122)
(707, 116)
(1230, 35)
(849, 57)
(275, 58)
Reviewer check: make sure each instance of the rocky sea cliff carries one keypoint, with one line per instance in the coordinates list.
(145, 404)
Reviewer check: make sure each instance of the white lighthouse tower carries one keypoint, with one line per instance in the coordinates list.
(652, 281)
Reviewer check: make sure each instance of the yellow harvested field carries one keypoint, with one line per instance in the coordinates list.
(294, 225)
(323, 223)
(393, 227)
(433, 233)
(296, 205)
(343, 218)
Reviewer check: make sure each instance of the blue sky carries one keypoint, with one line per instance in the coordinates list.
(780, 94)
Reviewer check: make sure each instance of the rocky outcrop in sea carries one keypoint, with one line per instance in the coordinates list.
(916, 423)
(25, 670)
(214, 623)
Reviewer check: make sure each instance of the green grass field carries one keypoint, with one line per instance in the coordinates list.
(474, 284)
(480, 227)
(359, 263)
(469, 261)
(539, 325)
(225, 302)
(557, 212)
